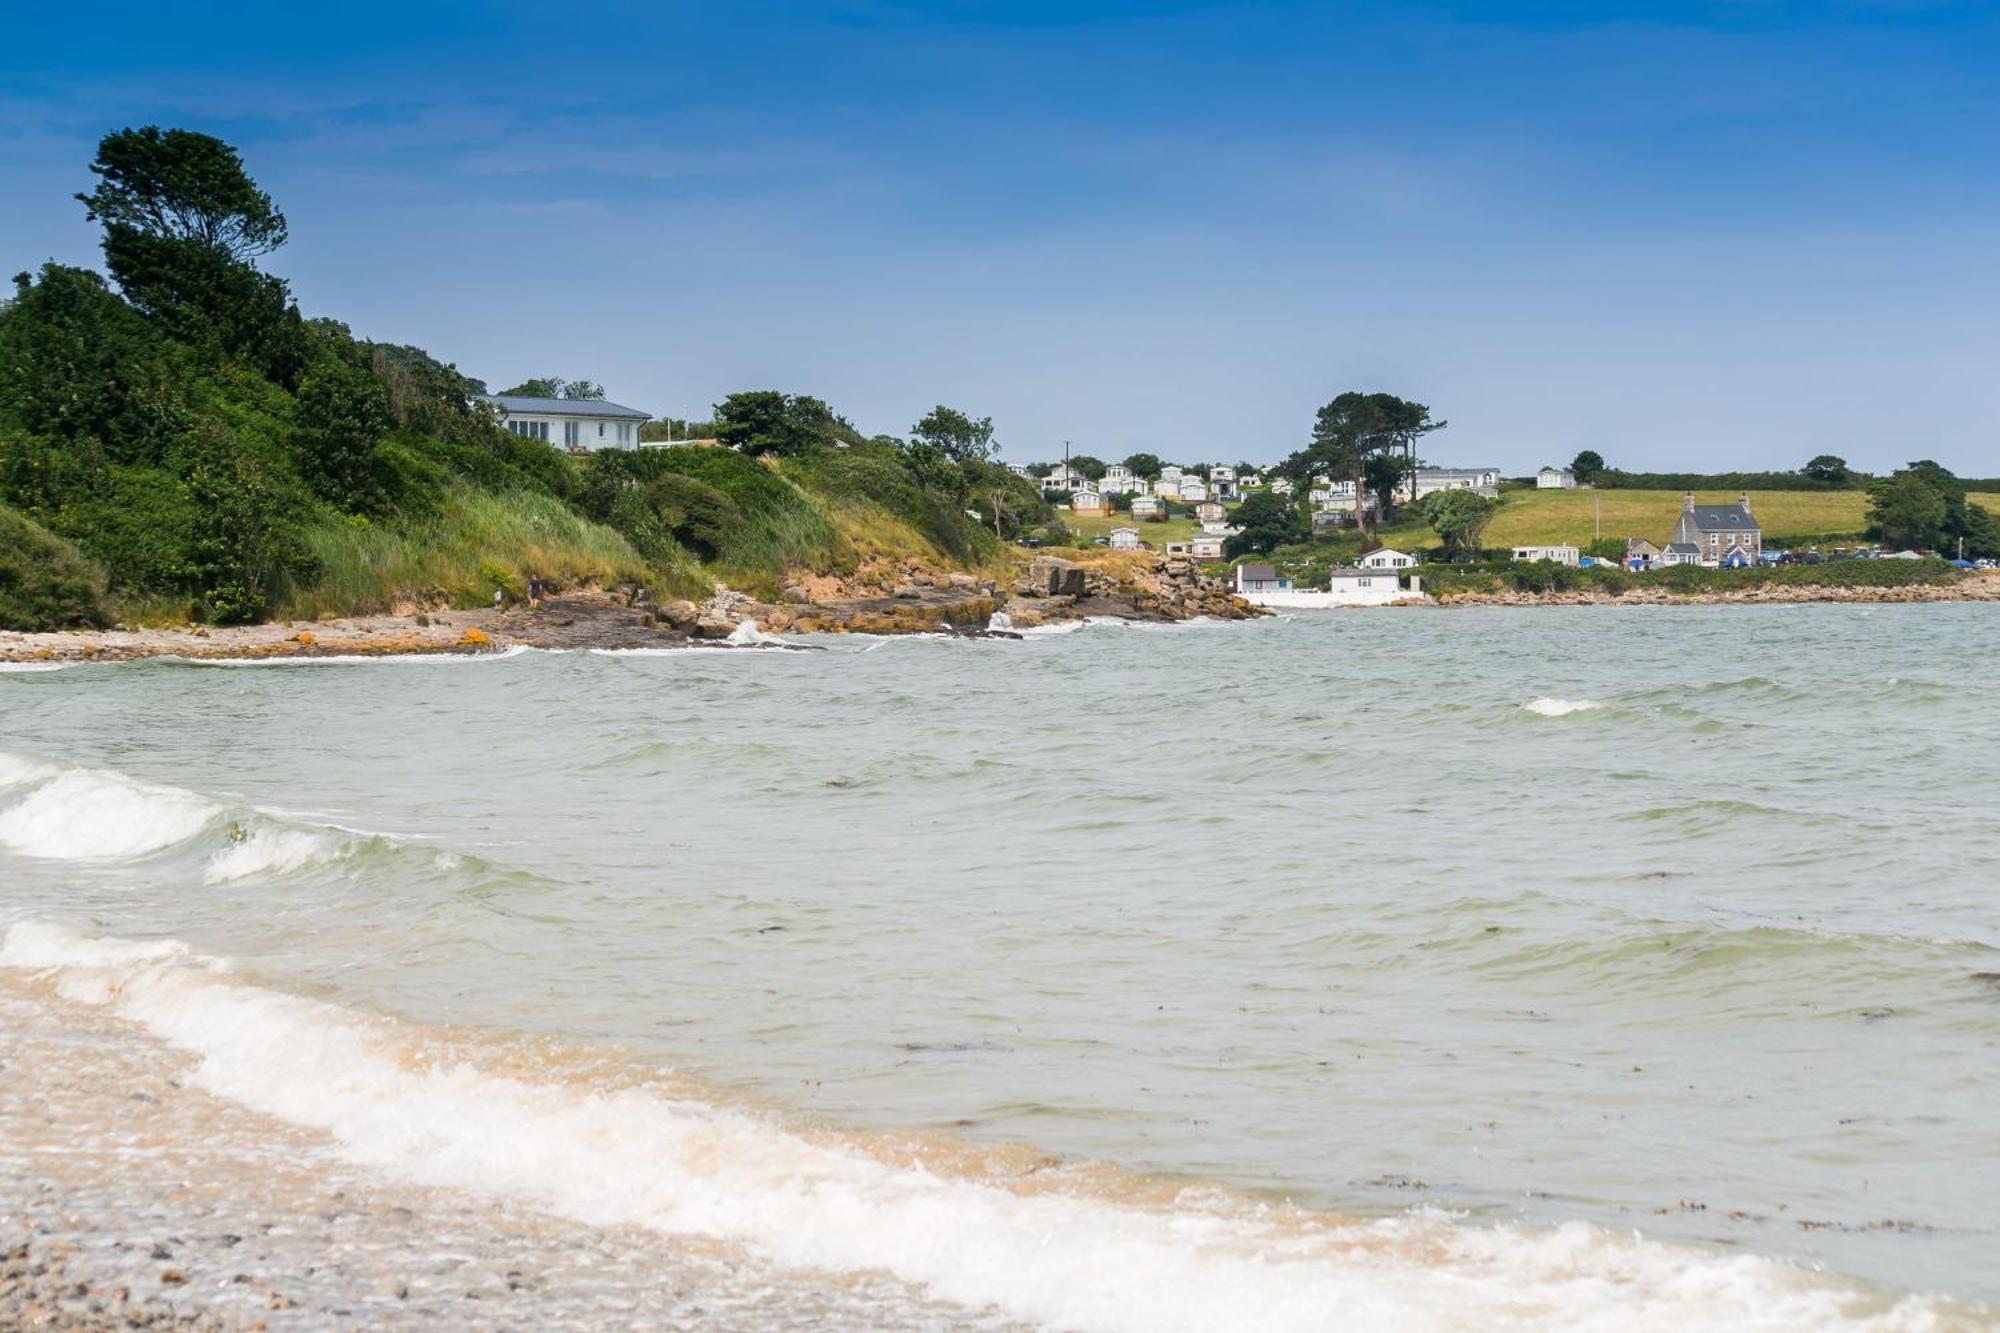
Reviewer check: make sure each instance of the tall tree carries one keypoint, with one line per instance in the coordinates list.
(1354, 428)
(1587, 465)
(1146, 466)
(1090, 467)
(183, 223)
(1829, 468)
(959, 437)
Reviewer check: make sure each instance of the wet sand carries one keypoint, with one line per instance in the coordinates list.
(131, 1199)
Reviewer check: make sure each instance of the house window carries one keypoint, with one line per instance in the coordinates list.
(571, 432)
(530, 430)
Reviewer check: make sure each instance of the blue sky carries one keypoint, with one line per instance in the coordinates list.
(1688, 235)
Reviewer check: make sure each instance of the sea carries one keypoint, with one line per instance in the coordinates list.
(1592, 967)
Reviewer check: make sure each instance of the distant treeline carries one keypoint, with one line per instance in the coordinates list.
(1614, 479)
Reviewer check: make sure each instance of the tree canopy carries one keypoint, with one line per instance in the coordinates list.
(957, 436)
(555, 386)
(1924, 506)
(1146, 466)
(1828, 468)
(765, 421)
(1354, 428)
(1587, 466)
(1267, 521)
(180, 185)
(1090, 467)
(1459, 518)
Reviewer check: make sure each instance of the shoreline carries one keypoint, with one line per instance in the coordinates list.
(965, 608)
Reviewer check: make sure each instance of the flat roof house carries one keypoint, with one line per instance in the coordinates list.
(577, 424)
(1562, 555)
(1555, 479)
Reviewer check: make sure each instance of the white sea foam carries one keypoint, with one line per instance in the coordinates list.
(636, 1156)
(88, 815)
(351, 659)
(16, 769)
(271, 851)
(34, 666)
(1547, 707)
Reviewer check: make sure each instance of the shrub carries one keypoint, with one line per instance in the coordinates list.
(45, 583)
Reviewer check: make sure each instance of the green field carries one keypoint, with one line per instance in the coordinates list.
(1576, 518)
(1155, 535)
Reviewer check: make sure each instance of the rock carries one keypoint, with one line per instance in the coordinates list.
(1052, 576)
(796, 595)
(905, 591)
(681, 615)
(965, 581)
(711, 626)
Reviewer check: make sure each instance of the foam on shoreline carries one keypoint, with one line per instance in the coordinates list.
(411, 1103)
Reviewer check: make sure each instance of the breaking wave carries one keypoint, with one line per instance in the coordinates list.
(1548, 707)
(93, 815)
(1069, 1249)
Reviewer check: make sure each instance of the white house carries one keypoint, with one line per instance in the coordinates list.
(1221, 527)
(1117, 480)
(1369, 587)
(1430, 480)
(1172, 472)
(1063, 477)
(1150, 507)
(1222, 482)
(1125, 539)
(1259, 578)
(577, 424)
(1205, 546)
(1281, 486)
(1562, 555)
(1555, 479)
(1085, 501)
(1018, 469)
(1193, 490)
(1207, 509)
(1387, 558)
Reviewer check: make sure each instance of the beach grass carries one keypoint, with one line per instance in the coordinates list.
(478, 542)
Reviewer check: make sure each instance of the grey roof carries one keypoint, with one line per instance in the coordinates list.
(1723, 518)
(1683, 548)
(1363, 573)
(515, 404)
(1256, 573)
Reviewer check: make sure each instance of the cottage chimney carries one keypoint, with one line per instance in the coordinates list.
(1744, 500)
(1687, 503)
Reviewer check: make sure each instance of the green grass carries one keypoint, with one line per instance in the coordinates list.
(479, 541)
(1574, 518)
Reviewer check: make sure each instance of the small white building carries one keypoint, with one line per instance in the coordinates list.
(1221, 527)
(1387, 558)
(1282, 486)
(1085, 502)
(1018, 469)
(579, 425)
(1172, 472)
(1118, 480)
(1207, 509)
(1125, 539)
(1562, 555)
(1254, 578)
(1222, 482)
(1555, 479)
(1149, 507)
(1193, 490)
(1369, 587)
(1205, 546)
(1063, 477)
